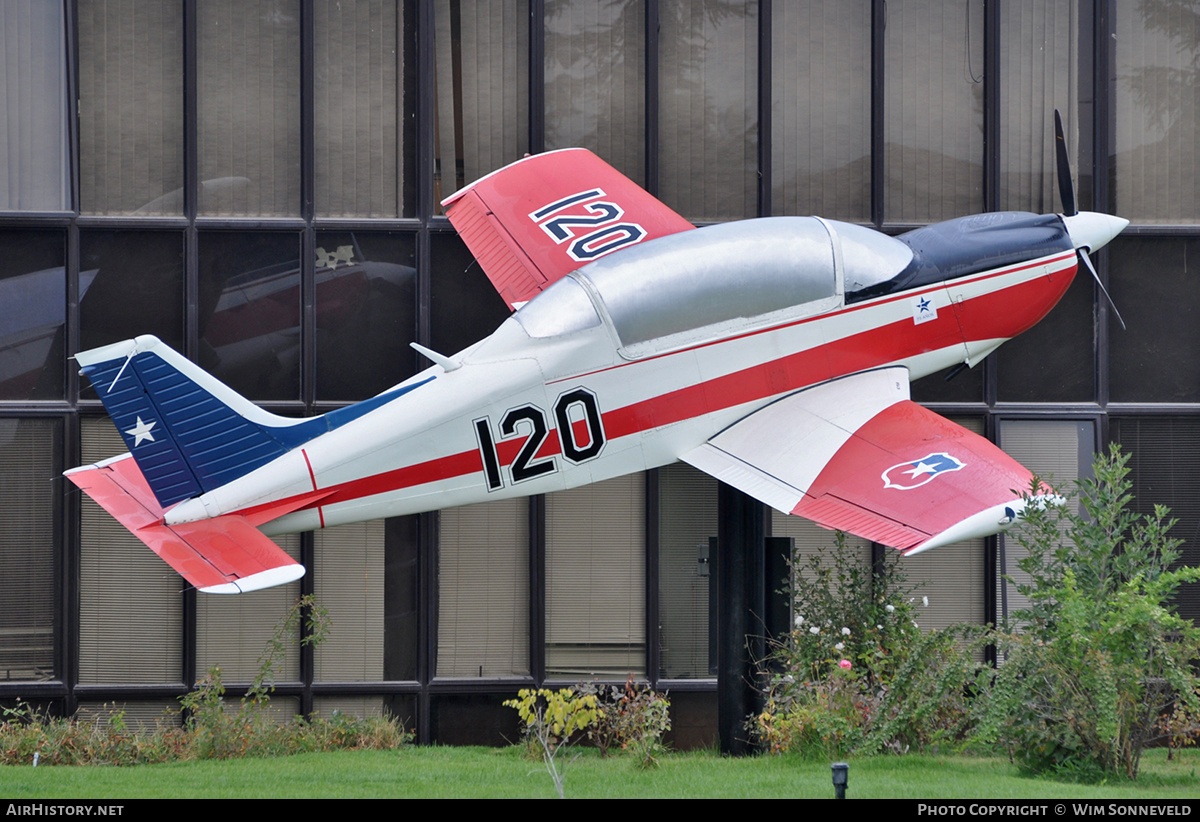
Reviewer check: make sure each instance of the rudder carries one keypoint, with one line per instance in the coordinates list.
(188, 432)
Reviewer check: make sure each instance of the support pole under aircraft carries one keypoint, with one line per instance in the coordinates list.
(741, 563)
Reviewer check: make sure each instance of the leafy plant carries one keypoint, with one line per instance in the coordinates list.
(212, 730)
(1099, 654)
(633, 718)
(551, 719)
(856, 673)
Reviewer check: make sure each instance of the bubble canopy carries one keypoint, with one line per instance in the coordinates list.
(706, 283)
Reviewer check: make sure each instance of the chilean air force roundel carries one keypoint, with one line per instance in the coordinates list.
(906, 476)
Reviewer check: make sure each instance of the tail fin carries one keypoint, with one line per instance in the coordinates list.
(188, 432)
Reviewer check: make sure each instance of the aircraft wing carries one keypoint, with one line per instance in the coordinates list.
(540, 218)
(223, 555)
(857, 455)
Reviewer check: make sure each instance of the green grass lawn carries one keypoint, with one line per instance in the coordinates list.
(433, 772)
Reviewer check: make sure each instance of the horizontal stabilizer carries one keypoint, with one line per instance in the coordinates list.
(540, 218)
(857, 455)
(223, 555)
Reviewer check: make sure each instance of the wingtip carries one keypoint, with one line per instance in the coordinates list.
(987, 522)
(256, 582)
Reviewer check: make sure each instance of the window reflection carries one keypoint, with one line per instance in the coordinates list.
(821, 109)
(933, 53)
(249, 97)
(249, 312)
(1158, 111)
(708, 82)
(595, 80)
(481, 52)
(366, 312)
(33, 311)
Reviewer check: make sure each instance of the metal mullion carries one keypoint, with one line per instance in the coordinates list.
(308, 244)
(406, 224)
(764, 108)
(537, 76)
(1103, 125)
(130, 223)
(653, 582)
(191, 181)
(537, 587)
(427, 571)
(991, 105)
(307, 651)
(878, 27)
(650, 62)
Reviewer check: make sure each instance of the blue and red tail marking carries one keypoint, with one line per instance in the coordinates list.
(188, 434)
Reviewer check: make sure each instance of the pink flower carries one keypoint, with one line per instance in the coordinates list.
(845, 664)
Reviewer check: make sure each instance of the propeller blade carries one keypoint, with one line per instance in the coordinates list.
(1066, 191)
(1088, 262)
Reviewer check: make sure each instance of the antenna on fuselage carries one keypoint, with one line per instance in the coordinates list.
(1066, 192)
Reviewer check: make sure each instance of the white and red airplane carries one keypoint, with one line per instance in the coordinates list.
(774, 354)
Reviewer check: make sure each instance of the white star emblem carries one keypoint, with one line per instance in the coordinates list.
(921, 468)
(141, 431)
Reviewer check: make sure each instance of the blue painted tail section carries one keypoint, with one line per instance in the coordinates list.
(188, 432)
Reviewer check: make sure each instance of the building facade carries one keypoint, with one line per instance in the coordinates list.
(258, 184)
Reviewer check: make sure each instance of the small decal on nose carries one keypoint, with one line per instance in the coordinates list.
(923, 309)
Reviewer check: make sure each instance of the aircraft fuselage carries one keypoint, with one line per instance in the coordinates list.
(526, 414)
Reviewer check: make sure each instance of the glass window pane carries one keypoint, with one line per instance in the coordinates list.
(130, 283)
(1164, 465)
(1060, 451)
(464, 305)
(403, 604)
(232, 632)
(595, 580)
(483, 590)
(363, 159)
(366, 312)
(1157, 112)
(1055, 361)
(249, 119)
(1151, 280)
(687, 519)
(1039, 72)
(708, 118)
(821, 109)
(482, 112)
(33, 106)
(33, 314)
(934, 110)
(349, 581)
(29, 485)
(596, 81)
(249, 312)
(131, 107)
(130, 603)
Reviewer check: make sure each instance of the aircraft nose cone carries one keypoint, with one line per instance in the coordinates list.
(1087, 228)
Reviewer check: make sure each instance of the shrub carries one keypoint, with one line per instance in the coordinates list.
(1098, 656)
(856, 673)
(632, 718)
(213, 729)
(550, 720)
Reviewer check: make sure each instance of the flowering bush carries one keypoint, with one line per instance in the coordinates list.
(856, 673)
